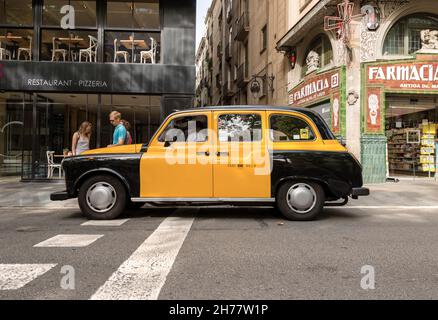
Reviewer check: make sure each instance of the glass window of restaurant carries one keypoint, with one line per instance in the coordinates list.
(132, 31)
(30, 130)
(16, 29)
(58, 44)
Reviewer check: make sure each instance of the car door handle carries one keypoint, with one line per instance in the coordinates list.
(206, 153)
(223, 154)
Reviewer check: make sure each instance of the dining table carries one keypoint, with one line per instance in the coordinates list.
(133, 44)
(71, 41)
(13, 39)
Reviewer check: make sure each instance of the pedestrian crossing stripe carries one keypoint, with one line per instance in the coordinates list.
(16, 276)
(104, 223)
(144, 273)
(69, 241)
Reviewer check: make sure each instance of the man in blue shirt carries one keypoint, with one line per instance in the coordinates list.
(119, 136)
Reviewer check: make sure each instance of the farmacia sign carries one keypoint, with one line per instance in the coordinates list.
(413, 75)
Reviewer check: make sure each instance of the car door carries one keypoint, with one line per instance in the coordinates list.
(179, 169)
(242, 166)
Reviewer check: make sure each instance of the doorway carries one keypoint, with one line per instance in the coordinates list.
(411, 129)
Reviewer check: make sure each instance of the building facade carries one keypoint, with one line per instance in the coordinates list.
(373, 76)
(65, 62)
(245, 66)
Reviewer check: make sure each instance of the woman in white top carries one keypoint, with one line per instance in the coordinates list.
(81, 139)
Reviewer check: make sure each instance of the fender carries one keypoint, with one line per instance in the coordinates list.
(325, 184)
(89, 173)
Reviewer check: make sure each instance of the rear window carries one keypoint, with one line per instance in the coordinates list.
(290, 128)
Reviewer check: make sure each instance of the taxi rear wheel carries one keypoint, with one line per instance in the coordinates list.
(102, 198)
(300, 200)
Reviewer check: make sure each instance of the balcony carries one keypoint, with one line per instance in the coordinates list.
(242, 75)
(229, 13)
(218, 81)
(242, 27)
(228, 90)
(228, 53)
(219, 51)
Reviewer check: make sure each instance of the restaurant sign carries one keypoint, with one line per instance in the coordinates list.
(314, 88)
(405, 76)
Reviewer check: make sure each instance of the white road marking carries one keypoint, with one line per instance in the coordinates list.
(16, 276)
(400, 216)
(105, 223)
(69, 241)
(142, 275)
(387, 207)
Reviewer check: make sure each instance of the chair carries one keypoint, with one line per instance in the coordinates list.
(56, 50)
(118, 53)
(151, 54)
(5, 53)
(26, 51)
(52, 166)
(91, 52)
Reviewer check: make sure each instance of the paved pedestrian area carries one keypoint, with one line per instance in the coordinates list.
(52, 252)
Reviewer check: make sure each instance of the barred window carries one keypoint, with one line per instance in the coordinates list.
(322, 46)
(404, 38)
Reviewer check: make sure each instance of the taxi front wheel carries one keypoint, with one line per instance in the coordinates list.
(300, 200)
(102, 197)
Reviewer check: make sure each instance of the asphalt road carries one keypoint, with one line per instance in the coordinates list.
(221, 253)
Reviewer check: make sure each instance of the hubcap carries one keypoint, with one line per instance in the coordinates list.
(301, 198)
(101, 197)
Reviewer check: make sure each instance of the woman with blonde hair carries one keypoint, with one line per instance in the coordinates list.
(81, 139)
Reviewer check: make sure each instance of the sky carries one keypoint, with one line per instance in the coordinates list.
(201, 12)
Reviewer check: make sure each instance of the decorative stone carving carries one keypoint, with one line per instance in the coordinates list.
(368, 44)
(388, 7)
(341, 56)
(312, 61)
(373, 107)
(429, 39)
(352, 97)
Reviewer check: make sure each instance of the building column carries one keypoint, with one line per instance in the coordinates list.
(353, 84)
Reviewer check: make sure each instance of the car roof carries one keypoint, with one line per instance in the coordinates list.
(313, 115)
(247, 107)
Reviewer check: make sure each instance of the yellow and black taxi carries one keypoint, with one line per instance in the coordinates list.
(284, 157)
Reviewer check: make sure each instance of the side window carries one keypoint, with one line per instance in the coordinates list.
(289, 128)
(186, 129)
(240, 128)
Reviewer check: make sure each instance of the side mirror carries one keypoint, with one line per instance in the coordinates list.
(342, 142)
(168, 143)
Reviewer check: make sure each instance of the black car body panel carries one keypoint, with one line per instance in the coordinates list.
(338, 171)
(124, 166)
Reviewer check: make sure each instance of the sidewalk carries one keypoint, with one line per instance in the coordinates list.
(14, 193)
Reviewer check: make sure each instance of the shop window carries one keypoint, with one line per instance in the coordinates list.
(76, 44)
(287, 128)
(85, 12)
(322, 46)
(16, 12)
(134, 14)
(65, 45)
(143, 113)
(404, 38)
(16, 43)
(132, 47)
